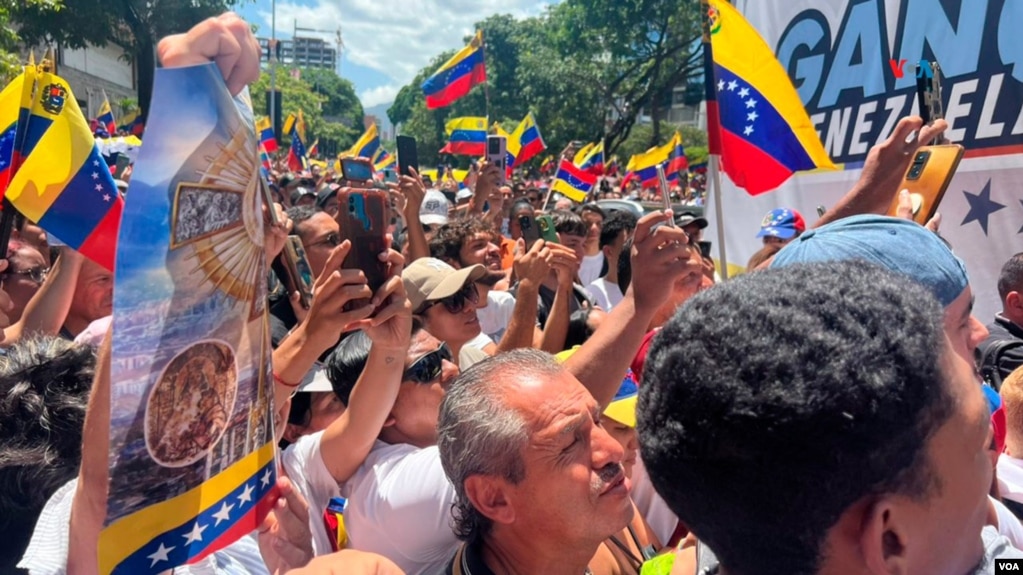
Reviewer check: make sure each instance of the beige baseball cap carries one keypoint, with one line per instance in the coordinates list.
(429, 279)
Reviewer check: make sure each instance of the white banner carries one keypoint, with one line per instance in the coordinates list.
(853, 64)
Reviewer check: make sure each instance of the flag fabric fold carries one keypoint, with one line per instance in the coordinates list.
(132, 123)
(766, 134)
(644, 166)
(63, 184)
(572, 182)
(265, 131)
(106, 116)
(593, 161)
(677, 162)
(367, 144)
(382, 160)
(457, 76)
(467, 136)
(529, 139)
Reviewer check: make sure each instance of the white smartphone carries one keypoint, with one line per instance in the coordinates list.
(497, 147)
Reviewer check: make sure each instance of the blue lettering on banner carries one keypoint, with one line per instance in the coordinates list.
(854, 95)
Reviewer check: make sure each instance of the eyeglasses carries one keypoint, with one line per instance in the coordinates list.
(36, 274)
(455, 303)
(427, 368)
(332, 238)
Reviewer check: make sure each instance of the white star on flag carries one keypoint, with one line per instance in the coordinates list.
(195, 534)
(160, 555)
(732, 86)
(750, 103)
(721, 85)
(748, 130)
(95, 163)
(246, 496)
(106, 197)
(95, 175)
(265, 480)
(752, 116)
(224, 513)
(99, 187)
(744, 92)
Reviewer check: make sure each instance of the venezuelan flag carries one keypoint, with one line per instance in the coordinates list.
(266, 135)
(612, 166)
(677, 162)
(466, 136)
(766, 134)
(457, 76)
(367, 144)
(132, 123)
(547, 164)
(593, 161)
(582, 153)
(297, 160)
(106, 117)
(382, 160)
(530, 141)
(293, 123)
(10, 112)
(644, 166)
(63, 183)
(574, 183)
(312, 149)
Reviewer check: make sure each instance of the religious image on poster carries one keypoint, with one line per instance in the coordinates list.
(191, 435)
(854, 65)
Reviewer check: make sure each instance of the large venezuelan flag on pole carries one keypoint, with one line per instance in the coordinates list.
(466, 136)
(63, 184)
(457, 76)
(766, 134)
(191, 413)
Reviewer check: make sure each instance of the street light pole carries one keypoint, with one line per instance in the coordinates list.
(273, 66)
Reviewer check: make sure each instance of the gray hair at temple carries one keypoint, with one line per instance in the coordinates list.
(479, 434)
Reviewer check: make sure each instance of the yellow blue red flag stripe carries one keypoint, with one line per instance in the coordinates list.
(457, 76)
(106, 116)
(573, 182)
(466, 136)
(530, 141)
(367, 144)
(265, 131)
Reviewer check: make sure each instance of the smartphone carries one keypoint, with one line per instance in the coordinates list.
(356, 172)
(530, 230)
(665, 193)
(363, 217)
(927, 179)
(547, 231)
(408, 156)
(497, 154)
(704, 249)
(292, 268)
(928, 94)
(390, 176)
(122, 164)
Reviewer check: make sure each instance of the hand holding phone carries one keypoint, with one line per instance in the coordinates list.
(927, 180)
(547, 231)
(530, 230)
(928, 93)
(408, 156)
(363, 218)
(497, 155)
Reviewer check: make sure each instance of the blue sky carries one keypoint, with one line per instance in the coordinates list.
(386, 41)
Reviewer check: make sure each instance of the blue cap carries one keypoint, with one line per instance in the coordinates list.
(782, 223)
(900, 245)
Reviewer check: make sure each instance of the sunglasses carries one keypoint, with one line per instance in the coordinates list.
(36, 274)
(455, 303)
(427, 369)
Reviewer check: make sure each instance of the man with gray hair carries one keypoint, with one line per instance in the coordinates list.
(516, 433)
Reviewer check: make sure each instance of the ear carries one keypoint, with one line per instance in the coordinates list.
(292, 432)
(489, 495)
(1014, 300)
(884, 536)
(390, 421)
(453, 263)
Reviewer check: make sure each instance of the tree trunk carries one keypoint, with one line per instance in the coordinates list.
(145, 67)
(655, 119)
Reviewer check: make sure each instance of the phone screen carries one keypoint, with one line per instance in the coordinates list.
(356, 171)
(408, 156)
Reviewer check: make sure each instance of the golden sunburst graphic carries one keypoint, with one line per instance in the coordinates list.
(220, 217)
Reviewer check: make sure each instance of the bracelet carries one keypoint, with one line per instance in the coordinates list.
(277, 379)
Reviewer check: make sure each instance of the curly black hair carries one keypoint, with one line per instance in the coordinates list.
(773, 402)
(447, 243)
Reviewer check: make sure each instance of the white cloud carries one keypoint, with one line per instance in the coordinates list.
(379, 95)
(394, 37)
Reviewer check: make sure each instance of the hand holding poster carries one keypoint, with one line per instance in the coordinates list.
(191, 441)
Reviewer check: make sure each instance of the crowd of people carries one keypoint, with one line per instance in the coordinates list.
(601, 404)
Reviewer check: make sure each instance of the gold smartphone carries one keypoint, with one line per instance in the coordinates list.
(927, 179)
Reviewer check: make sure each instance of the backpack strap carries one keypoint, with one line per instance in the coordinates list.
(990, 357)
(706, 562)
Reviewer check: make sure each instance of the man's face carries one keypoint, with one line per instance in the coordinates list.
(454, 328)
(614, 249)
(593, 224)
(772, 240)
(694, 232)
(480, 249)
(417, 407)
(535, 199)
(19, 280)
(574, 243)
(506, 193)
(951, 519)
(963, 330)
(570, 458)
(94, 292)
(627, 437)
(320, 235)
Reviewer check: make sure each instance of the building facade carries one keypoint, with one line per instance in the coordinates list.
(301, 52)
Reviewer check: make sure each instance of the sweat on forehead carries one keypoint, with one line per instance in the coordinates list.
(900, 245)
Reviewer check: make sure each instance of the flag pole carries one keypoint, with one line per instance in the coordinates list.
(713, 138)
(712, 167)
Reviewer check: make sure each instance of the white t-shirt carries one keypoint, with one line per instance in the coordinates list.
(660, 519)
(1009, 471)
(399, 506)
(605, 294)
(479, 342)
(495, 317)
(590, 268)
(303, 462)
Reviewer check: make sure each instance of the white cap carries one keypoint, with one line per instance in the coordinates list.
(434, 211)
(463, 194)
(315, 380)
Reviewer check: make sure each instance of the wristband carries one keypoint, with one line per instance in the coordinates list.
(277, 379)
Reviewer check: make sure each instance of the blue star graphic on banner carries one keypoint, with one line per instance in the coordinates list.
(981, 207)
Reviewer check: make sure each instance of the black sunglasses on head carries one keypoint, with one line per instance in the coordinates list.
(455, 303)
(427, 368)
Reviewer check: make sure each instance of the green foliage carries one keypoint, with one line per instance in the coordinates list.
(585, 68)
(10, 62)
(133, 25)
(311, 93)
(641, 139)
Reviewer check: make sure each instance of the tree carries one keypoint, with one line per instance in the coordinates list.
(10, 61)
(133, 25)
(300, 94)
(340, 102)
(694, 140)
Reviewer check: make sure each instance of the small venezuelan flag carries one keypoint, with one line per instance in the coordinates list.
(593, 162)
(644, 166)
(574, 183)
(466, 136)
(106, 117)
(63, 184)
(529, 139)
(457, 76)
(265, 131)
(367, 144)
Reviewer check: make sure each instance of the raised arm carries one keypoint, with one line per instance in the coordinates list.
(48, 308)
(414, 190)
(533, 266)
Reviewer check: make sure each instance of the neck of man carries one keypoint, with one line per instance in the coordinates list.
(75, 324)
(507, 552)
(592, 248)
(1014, 445)
(612, 270)
(1016, 318)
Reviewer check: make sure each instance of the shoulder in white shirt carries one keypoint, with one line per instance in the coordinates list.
(399, 506)
(495, 317)
(590, 268)
(605, 294)
(303, 462)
